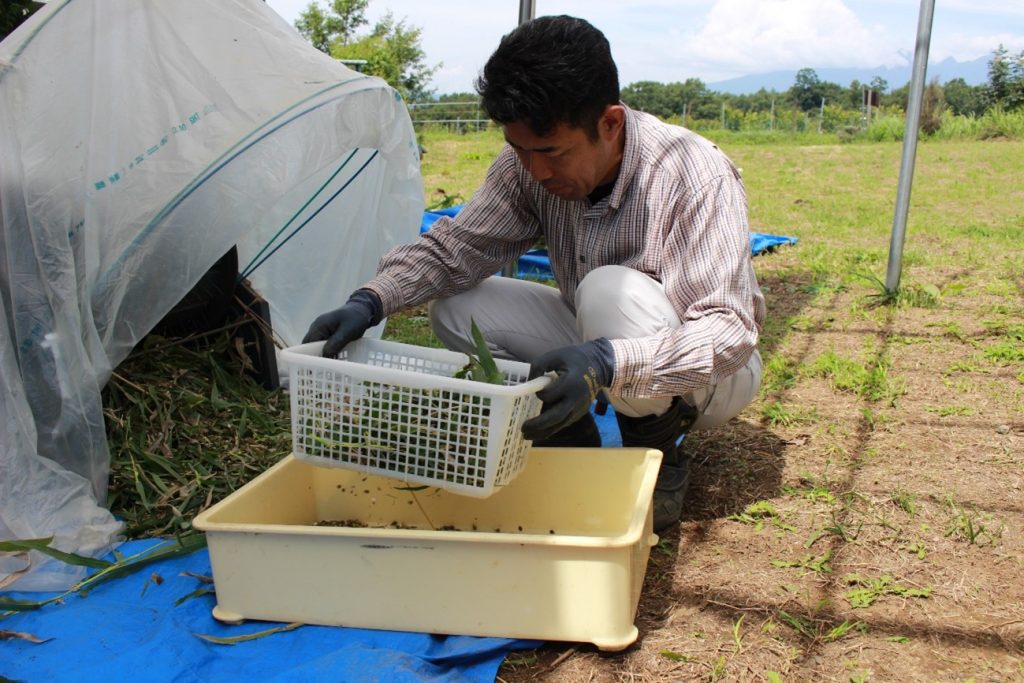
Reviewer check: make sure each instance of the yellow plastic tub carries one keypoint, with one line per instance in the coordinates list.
(558, 554)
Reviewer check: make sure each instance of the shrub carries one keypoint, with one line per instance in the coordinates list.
(957, 127)
(999, 123)
(886, 129)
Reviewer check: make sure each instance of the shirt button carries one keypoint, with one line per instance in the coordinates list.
(583, 259)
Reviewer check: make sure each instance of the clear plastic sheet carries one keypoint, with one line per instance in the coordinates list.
(138, 143)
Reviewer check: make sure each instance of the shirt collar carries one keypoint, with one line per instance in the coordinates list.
(630, 159)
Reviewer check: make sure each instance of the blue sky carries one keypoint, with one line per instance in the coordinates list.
(672, 40)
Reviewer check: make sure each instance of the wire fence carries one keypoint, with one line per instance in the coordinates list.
(876, 122)
(459, 117)
(465, 116)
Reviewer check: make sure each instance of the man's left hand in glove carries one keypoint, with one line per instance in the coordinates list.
(582, 370)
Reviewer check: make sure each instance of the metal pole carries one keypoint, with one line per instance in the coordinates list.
(899, 221)
(527, 11)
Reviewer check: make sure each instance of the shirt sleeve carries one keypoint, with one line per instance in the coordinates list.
(709, 279)
(496, 226)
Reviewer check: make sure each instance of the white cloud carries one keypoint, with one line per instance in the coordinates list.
(747, 36)
(671, 40)
(963, 47)
(993, 8)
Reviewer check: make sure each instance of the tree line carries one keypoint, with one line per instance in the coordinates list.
(691, 98)
(392, 50)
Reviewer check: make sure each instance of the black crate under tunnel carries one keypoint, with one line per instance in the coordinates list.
(218, 301)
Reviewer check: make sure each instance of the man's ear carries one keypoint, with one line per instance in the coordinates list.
(612, 121)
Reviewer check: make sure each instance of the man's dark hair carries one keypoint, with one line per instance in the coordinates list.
(549, 71)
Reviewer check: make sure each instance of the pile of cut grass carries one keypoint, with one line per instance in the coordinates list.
(186, 427)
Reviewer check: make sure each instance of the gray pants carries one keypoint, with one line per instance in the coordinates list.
(522, 320)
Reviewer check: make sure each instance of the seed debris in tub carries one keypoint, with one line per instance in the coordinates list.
(357, 524)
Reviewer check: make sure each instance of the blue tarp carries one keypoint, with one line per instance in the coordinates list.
(534, 264)
(609, 428)
(131, 629)
(761, 243)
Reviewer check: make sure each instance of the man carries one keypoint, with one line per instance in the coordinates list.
(646, 228)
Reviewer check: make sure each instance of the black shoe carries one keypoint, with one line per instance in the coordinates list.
(662, 432)
(580, 434)
(669, 493)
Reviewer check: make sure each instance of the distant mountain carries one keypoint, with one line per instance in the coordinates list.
(975, 72)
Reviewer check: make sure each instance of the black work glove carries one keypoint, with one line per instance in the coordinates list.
(582, 371)
(346, 324)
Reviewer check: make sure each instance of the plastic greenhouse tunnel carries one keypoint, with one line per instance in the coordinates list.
(140, 143)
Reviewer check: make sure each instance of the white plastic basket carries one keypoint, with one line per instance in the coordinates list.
(396, 410)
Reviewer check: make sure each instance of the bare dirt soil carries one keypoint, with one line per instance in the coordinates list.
(886, 544)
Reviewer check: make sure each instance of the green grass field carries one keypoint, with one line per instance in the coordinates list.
(838, 199)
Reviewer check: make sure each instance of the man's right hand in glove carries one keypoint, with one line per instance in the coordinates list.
(362, 311)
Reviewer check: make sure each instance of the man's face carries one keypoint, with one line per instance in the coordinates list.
(566, 161)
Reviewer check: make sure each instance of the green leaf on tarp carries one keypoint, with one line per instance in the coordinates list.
(232, 640)
(194, 594)
(182, 545)
(202, 578)
(14, 605)
(43, 545)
